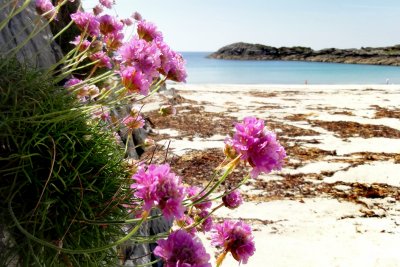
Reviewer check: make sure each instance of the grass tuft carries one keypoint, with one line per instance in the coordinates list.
(57, 172)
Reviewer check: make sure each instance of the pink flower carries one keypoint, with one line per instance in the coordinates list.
(142, 55)
(160, 187)
(148, 142)
(103, 59)
(148, 31)
(87, 91)
(177, 71)
(114, 41)
(86, 22)
(193, 193)
(172, 63)
(233, 199)
(137, 16)
(234, 237)
(106, 3)
(127, 21)
(110, 25)
(182, 250)
(257, 146)
(71, 82)
(105, 116)
(134, 80)
(167, 111)
(96, 46)
(98, 9)
(207, 224)
(187, 222)
(45, 7)
(102, 115)
(93, 91)
(135, 122)
(83, 45)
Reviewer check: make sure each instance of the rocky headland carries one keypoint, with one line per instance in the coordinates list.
(366, 55)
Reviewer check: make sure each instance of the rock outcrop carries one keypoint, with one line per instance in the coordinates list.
(366, 55)
(38, 50)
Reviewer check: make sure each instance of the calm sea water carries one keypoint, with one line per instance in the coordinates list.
(203, 70)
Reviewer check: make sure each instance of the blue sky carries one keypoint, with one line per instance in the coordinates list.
(206, 25)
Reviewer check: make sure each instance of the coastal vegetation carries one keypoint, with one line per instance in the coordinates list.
(71, 193)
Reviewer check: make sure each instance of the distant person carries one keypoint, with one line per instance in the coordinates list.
(306, 82)
(387, 80)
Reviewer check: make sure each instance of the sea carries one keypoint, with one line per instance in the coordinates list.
(203, 70)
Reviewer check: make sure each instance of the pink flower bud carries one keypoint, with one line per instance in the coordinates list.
(167, 111)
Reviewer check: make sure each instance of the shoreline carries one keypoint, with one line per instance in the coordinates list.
(201, 86)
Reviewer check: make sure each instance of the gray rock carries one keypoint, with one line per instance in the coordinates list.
(134, 253)
(244, 51)
(136, 138)
(39, 51)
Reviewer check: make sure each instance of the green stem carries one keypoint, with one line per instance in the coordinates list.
(203, 219)
(12, 13)
(148, 264)
(228, 170)
(155, 89)
(62, 30)
(210, 182)
(58, 116)
(245, 179)
(67, 73)
(94, 222)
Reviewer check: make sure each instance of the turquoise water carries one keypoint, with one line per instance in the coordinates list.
(203, 70)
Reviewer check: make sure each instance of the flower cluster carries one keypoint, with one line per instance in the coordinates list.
(234, 237)
(87, 22)
(200, 212)
(181, 249)
(257, 146)
(194, 193)
(158, 187)
(133, 122)
(147, 56)
(106, 3)
(139, 62)
(118, 71)
(233, 199)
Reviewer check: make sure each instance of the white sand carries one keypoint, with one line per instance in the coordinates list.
(319, 232)
(322, 231)
(376, 172)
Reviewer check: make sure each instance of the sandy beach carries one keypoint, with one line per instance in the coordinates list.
(335, 202)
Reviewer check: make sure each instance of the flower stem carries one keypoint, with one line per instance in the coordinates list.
(229, 168)
(221, 257)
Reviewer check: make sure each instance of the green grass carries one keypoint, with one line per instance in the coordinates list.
(56, 172)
